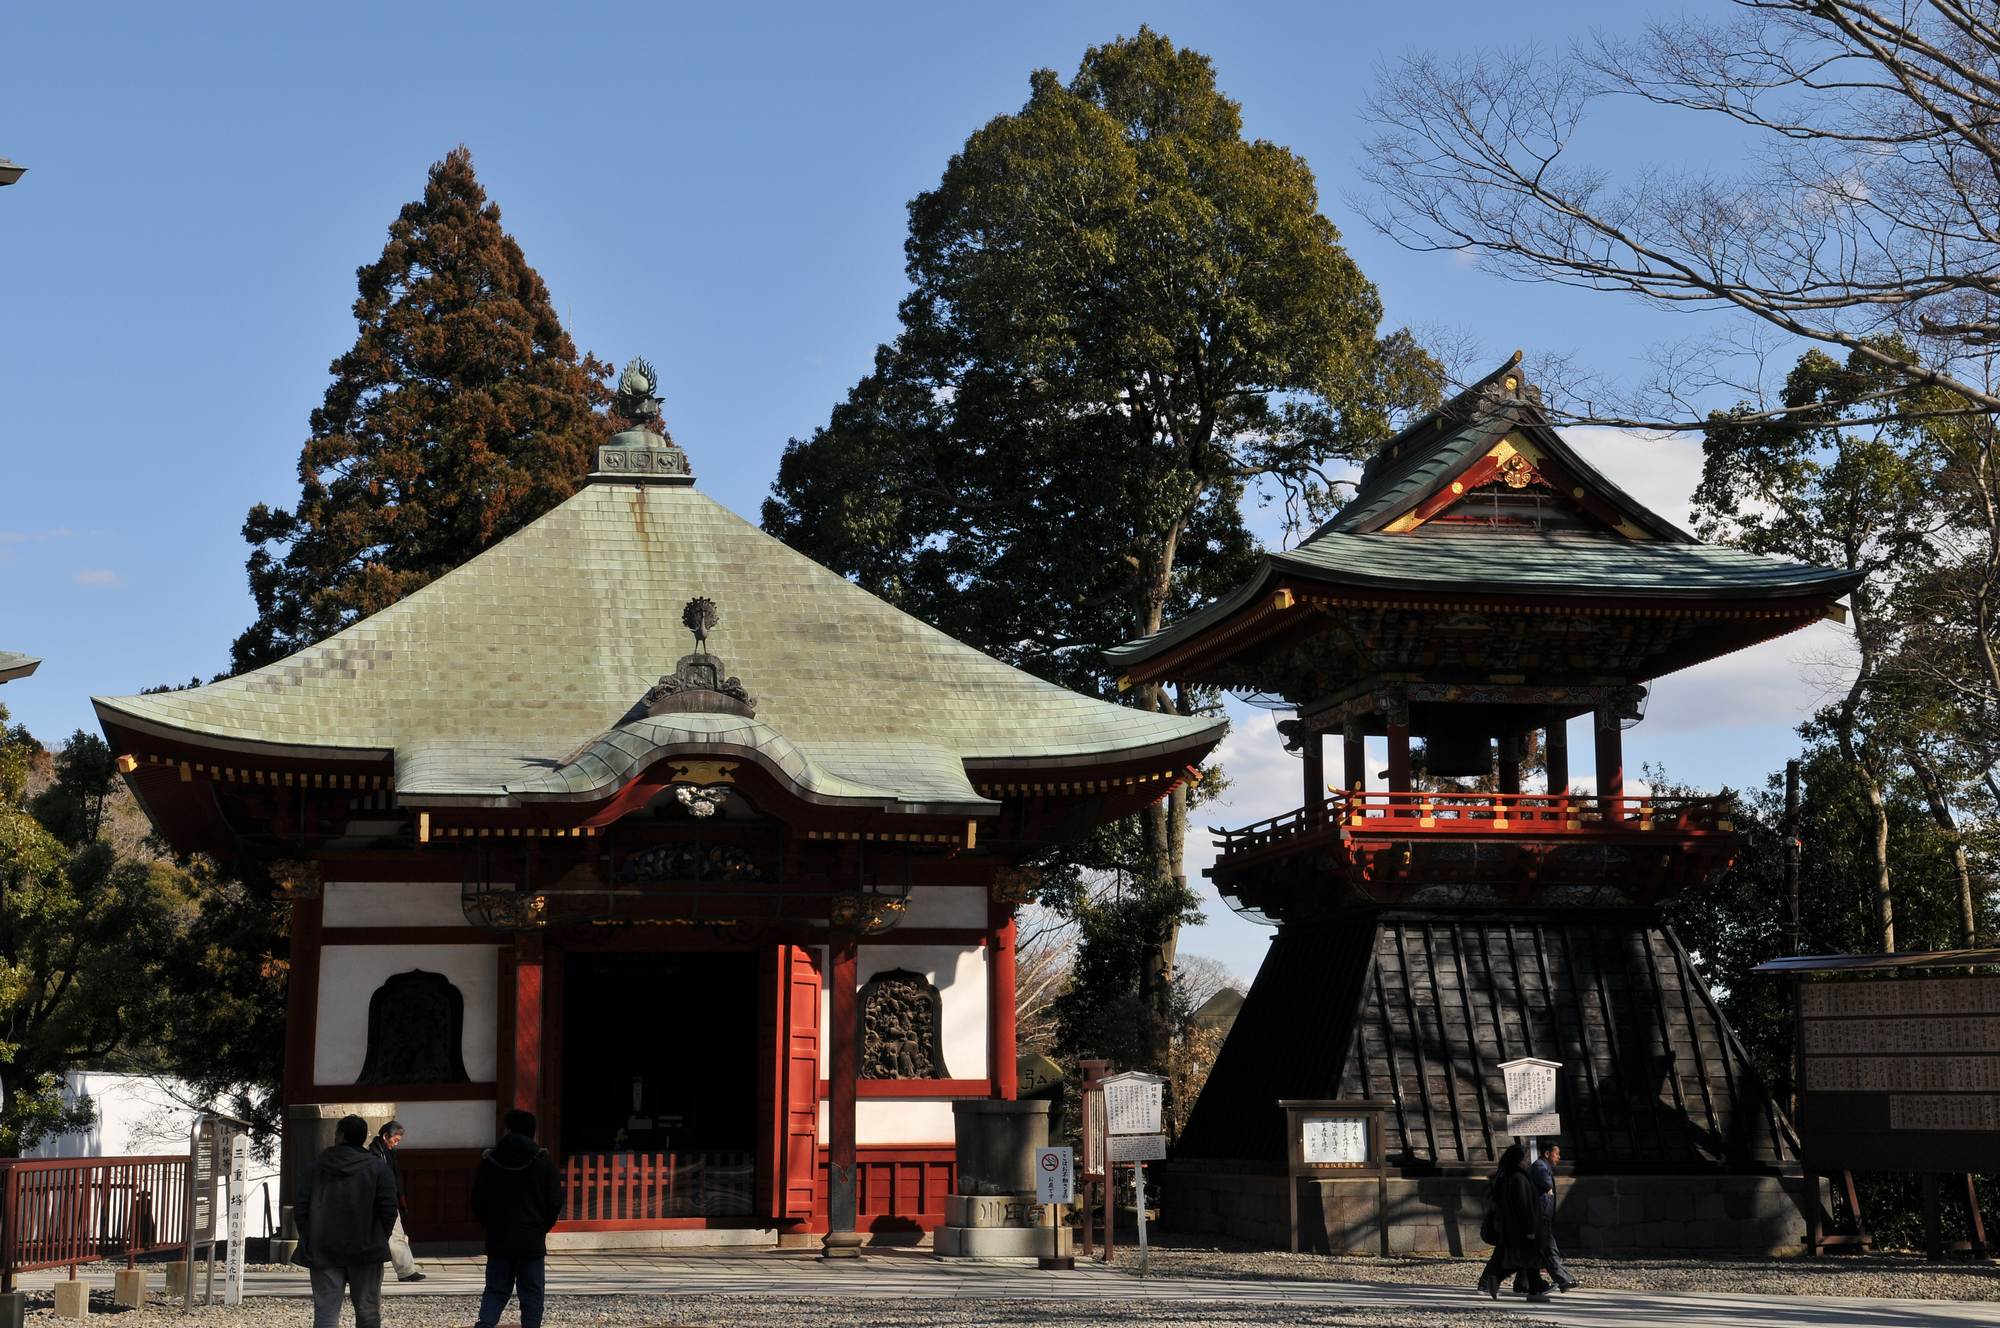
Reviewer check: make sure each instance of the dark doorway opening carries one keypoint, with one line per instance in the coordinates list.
(659, 1085)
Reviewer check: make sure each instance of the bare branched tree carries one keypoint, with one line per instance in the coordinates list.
(1869, 203)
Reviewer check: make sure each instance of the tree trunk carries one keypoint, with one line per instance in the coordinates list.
(1947, 824)
(1845, 724)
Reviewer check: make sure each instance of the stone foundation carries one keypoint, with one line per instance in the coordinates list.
(1734, 1214)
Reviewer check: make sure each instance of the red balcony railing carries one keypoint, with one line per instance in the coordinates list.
(1533, 815)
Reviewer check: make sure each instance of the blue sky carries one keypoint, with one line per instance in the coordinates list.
(720, 188)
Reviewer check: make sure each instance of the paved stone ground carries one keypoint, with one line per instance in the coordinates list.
(907, 1288)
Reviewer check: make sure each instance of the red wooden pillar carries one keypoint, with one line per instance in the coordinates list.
(1510, 761)
(526, 1090)
(301, 1021)
(1354, 759)
(1399, 752)
(843, 1067)
(1610, 760)
(1001, 1056)
(1555, 753)
(1314, 751)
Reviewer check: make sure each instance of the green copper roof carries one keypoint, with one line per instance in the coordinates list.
(1353, 550)
(14, 666)
(518, 675)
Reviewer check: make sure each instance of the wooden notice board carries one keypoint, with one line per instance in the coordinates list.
(1336, 1138)
(1900, 1073)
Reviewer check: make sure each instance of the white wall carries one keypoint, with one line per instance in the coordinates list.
(896, 1121)
(391, 904)
(448, 1124)
(348, 977)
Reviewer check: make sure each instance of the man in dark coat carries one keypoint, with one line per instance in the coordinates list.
(345, 1211)
(517, 1197)
(1542, 1175)
(1512, 1198)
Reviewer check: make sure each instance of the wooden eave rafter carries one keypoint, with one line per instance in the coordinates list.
(1276, 621)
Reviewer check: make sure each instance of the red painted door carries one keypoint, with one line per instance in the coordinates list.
(802, 1082)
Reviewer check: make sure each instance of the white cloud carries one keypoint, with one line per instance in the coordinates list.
(1661, 472)
(98, 576)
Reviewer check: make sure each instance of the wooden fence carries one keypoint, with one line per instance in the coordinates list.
(62, 1212)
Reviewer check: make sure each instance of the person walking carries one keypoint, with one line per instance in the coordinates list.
(1542, 1175)
(1510, 1227)
(517, 1197)
(387, 1140)
(345, 1210)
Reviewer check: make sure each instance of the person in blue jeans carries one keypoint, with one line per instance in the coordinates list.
(517, 1197)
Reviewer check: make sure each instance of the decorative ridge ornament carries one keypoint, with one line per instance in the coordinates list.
(644, 453)
(698, 683)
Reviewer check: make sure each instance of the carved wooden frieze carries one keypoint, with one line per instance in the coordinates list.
(902, 1019)
(416, 1031)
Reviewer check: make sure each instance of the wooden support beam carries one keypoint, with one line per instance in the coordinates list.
(1003, 1066)
(1510, 761)
(1555, 752)
(1315, 774)
(1610, 758)
(1399, 757)
(843, 1067)
(526, 1091)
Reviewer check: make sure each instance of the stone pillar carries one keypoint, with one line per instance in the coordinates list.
(1555, 751)
(843, 1067)
(1610, 760)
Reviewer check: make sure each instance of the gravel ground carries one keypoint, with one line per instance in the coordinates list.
(1903, 1277)
(765, 1312)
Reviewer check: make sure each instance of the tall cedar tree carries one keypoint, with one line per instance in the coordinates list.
(462, 413)
(1123, 314)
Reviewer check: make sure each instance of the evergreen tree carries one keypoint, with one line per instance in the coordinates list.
(462, 413)
(1124, 314)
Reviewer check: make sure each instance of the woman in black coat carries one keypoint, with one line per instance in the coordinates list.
(1510, 1198)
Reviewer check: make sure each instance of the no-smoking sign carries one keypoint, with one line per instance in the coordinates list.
(1055, 1176)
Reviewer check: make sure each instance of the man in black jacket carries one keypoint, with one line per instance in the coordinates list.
(345, 1211)
(517, 1197)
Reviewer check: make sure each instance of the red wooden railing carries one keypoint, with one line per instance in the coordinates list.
(646, 1187)
(69, 1211)
(1537, 815)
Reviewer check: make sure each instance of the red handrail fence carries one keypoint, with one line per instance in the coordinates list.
(63, 1212)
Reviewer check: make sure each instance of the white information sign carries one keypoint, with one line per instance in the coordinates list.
(1055, 1176)
(1334, 1141)
(239, 1203)
(1138, 1147)
(1542, 1123)
(1132, 1103)
(1531, 1086)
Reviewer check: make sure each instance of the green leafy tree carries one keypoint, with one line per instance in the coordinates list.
(1833, 482)
(1124, 315)
(84, 935)
(462, 413)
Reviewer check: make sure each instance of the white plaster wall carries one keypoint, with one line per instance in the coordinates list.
(959, 974)
(946, 906)
(391, 904)
(448, 1124)
(348, 977)
(896, 1121)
